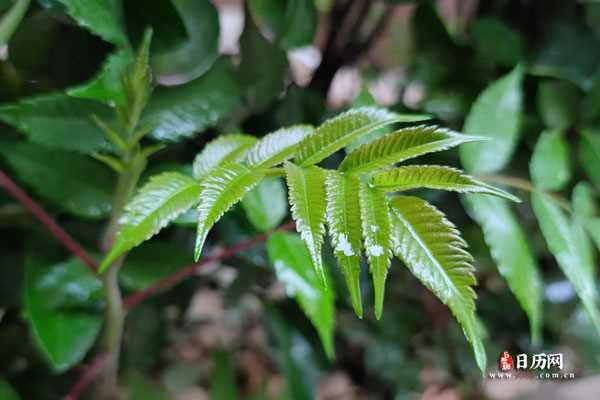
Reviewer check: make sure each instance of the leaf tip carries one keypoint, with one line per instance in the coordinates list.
(105, 265)
(199, 245)
(356, 300)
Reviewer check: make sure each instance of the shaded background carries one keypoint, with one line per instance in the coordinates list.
(233, 331)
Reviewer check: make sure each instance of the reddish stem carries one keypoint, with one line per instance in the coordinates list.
(185, 272)
(86, 377)
(38, 212)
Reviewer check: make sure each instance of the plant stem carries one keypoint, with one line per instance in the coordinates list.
(115, 314)
(275, 172)
(527, 186)
(136, 298)
(114, 320)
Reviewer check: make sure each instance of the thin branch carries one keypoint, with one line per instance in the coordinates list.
(87, 377)
(38, 212)
(527, 186)
(137, 297)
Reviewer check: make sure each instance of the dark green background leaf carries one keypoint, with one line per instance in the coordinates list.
(60, 302)
(293, 266)
(73, 182)
(266, 204)
(179, 112)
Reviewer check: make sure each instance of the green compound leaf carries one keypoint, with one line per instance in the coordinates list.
(222, 188)
(550, 164)
(431, 247)
(306, 191)
(61, 308)
(570, 245)
(510, 250)
(160, 201)
(339, 131)
(496, 114)
(291, 260)
(402, 145)
(277, 147)
(376, 230)
(223, 149)
(434, 177)
(345, 229)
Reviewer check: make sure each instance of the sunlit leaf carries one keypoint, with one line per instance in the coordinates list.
(222, 188)
(157, 203)
(306, 190)
(339, 131)
(223, 149)
(496, 114)
(512, 253)
(345, 230)
(431, 247)
(402, 145)
(276, 147)
(433, 177)
(376, 230)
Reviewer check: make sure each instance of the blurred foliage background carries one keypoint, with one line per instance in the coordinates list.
(235, 330)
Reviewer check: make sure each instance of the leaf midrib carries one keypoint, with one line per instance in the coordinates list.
(335, 145)
(433, 258)
(409, 153)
